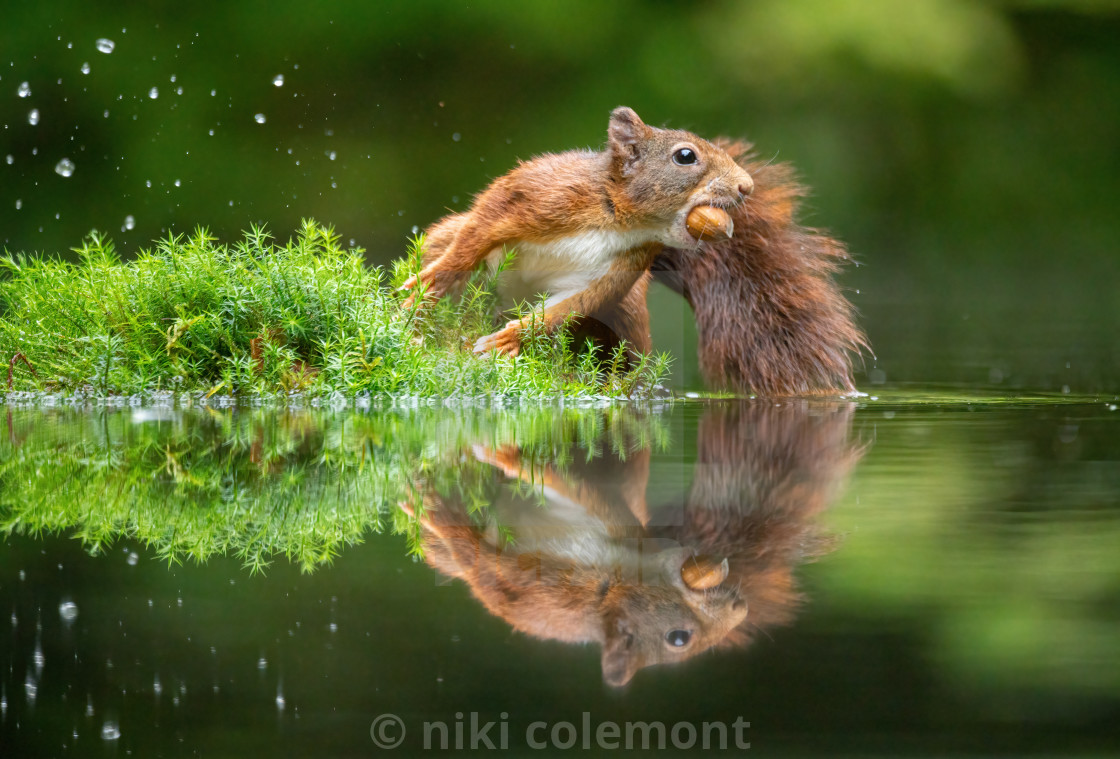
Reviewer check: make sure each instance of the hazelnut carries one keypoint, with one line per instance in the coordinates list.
(709, 223)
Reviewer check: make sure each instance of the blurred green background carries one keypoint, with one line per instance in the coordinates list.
(967, 151)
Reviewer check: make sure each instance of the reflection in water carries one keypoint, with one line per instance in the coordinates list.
(575, 552)
(971, 609)
(303, 484)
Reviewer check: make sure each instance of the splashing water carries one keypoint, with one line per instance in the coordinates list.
(68, 610)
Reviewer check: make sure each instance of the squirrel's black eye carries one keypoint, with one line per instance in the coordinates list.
(684, 157)
(678, 638)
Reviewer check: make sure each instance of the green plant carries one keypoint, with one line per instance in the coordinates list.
(259, 318)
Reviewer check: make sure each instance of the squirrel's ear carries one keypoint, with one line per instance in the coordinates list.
(625, 131)
(619, 660)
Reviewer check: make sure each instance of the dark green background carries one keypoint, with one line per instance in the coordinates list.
(967, 151)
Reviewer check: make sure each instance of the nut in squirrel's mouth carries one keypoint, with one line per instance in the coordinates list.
(709, 222)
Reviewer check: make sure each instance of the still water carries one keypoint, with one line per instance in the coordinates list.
(912, 573)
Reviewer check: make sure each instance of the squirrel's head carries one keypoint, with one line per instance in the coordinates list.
(684, 606)
(663, 174)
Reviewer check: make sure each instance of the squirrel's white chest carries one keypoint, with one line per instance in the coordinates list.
(564, 266)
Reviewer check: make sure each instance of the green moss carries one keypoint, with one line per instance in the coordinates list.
(267, 320)
(257, 484)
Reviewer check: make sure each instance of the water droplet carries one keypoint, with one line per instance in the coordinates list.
(456, 137)
(262, 663)
(332, 155)
(33, 117)
(333, 627)
(64, 168)
(178, 183)
(278, 80)
(10, 159)
(85, 68)
(30, 688)
(68, 610)
(173, 79)
(19, 203)
(106, 45)
(157, 686)
(38, 658)
(259, 118)
(24, 89)
(153, 93)
(213, 93)
(110, 731)
(129, 225)
(89, 706)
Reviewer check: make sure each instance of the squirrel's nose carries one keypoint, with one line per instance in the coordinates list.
(746, 185)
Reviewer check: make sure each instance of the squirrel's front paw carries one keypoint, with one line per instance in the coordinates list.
(507, 340)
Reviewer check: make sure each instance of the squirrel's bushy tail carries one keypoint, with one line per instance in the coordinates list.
(770, 317)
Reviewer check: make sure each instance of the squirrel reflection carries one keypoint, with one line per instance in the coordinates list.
(594, 564)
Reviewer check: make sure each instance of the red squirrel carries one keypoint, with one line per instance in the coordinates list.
(588, 226)
(770, 318)
(577, 553)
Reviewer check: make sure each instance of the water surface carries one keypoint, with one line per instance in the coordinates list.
(916, 573)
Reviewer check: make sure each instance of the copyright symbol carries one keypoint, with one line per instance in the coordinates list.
(387, 731)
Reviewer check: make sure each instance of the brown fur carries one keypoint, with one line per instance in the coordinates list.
(633, 186)
(770, 318)
(761, 476)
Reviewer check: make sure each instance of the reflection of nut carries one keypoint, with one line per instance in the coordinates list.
(709, 223)
(704, 572)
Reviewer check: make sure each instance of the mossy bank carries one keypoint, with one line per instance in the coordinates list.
(273, 320)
